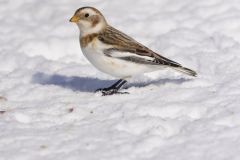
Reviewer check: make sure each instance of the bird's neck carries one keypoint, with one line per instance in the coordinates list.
(92, 30)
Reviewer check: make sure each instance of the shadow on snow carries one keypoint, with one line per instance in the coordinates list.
(88, 84)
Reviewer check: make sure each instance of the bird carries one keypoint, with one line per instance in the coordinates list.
(115, 53)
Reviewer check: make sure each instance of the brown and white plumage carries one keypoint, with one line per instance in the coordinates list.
(124, 43)
(114, 52)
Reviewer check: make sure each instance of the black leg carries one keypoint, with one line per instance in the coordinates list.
(113, 89)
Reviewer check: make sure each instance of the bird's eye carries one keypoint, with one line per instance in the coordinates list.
(86, 15)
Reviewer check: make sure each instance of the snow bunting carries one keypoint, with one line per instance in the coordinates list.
(115, 53)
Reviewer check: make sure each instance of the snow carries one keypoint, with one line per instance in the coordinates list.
(48, 109)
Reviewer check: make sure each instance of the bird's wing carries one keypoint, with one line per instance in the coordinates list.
(126, 48)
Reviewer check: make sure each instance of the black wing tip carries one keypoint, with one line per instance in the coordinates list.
(190, 72)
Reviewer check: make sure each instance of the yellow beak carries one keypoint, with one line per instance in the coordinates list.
(74, 19)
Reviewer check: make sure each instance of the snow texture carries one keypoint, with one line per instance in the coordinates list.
(48, 109)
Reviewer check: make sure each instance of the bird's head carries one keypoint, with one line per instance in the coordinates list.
(89, 20)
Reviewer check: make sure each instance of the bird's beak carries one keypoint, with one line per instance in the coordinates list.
(74, 19)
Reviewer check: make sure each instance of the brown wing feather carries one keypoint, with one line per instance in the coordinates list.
(124, 43)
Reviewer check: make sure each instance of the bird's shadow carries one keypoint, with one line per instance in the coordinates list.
(88, 84)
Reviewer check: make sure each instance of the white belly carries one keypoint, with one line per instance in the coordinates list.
(115, 67)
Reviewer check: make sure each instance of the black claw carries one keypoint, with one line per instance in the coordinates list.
(113, 89)
(108, 92)
(100, 90)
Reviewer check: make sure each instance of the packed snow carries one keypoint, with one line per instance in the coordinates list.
(48, 108)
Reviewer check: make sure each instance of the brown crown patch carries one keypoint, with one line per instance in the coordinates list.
(94, 9)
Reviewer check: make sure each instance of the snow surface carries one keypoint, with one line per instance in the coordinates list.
(47, 106)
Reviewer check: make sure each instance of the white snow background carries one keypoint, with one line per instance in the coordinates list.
(48, 108)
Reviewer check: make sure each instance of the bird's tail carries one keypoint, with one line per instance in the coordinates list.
(185, 71)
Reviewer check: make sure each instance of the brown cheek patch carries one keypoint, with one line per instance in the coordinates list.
(87, 39)
(95, 20)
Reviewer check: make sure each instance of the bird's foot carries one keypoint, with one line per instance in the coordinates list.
(110, 91)
(113, 89)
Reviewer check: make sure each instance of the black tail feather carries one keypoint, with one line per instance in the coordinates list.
(186, 71)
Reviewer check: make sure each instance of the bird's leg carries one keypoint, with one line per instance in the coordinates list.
(113, 89)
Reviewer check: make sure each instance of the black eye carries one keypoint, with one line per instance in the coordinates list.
(86, 15)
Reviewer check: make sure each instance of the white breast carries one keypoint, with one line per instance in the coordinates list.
(113, 66)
